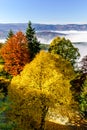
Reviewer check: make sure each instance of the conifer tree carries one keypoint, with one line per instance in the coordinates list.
(33, 43)
(10, 34)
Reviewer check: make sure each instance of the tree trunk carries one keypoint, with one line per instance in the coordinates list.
(44, 112)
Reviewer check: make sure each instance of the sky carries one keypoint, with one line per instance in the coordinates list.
(43, 11)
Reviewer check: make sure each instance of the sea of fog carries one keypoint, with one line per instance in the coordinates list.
(73, 36)
(2, 40)
(80, 37)
(82, 49)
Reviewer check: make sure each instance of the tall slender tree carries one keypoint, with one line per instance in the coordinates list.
(33, 43)
(10, 34)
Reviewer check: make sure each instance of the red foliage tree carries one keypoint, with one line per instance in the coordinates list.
(15, 54)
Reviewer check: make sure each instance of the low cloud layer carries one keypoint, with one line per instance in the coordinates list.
(76, 36)
(73, 36)
(2, 40)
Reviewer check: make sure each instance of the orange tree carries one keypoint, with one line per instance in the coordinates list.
(15, 53)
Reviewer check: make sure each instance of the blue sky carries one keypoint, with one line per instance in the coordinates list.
(43, 11)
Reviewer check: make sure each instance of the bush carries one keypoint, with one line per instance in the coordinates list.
(4, 85)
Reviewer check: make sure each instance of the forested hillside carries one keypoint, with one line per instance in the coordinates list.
(41, 86)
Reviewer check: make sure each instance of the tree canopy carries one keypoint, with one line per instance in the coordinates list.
(64, 48)
(15, 53)
(43, 83)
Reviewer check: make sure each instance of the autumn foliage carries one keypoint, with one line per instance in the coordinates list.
(15, 53)
(43, 84)
(65, 48)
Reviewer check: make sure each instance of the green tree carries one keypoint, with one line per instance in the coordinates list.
(43, 84)
(83, 99)
(33, 43)
(79, 86)
(4, 85)
(5, 123)
(10, 34)
(1, 59)
(64, 48)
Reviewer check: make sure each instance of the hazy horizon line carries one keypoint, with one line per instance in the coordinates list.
(43, 23)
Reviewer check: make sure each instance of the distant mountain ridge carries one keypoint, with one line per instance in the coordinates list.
(41, 27)
(59, 27)
(47, 31)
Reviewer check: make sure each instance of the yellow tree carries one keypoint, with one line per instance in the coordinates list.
(43, 83)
